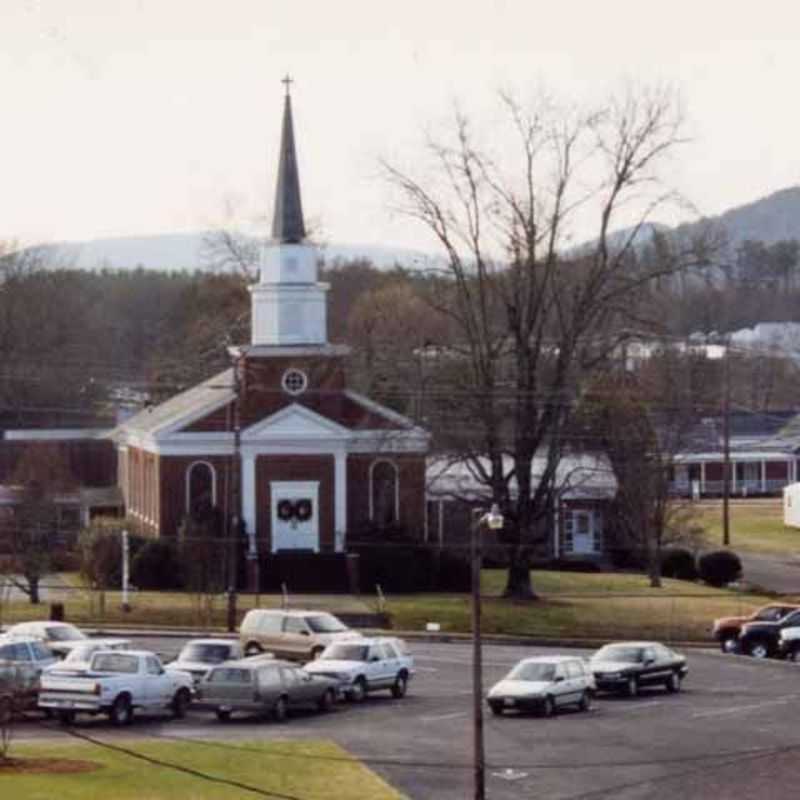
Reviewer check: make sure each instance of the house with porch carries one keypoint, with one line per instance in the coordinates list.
(576, 527)
(764, 452)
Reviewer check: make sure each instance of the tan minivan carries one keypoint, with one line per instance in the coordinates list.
(299, 635)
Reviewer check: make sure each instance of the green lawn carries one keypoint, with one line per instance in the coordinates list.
(581, 605)
(756, 526)
(168, 609)
(301, 769)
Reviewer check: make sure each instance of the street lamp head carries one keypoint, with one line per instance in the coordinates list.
(494, 519)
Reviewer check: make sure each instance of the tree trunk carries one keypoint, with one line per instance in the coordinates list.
(33, 591)
(653, 559)
(518, 580)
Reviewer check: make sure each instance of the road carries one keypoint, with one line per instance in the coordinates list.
(731, 733)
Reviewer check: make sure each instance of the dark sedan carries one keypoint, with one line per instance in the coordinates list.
(263, 686)
(626, 666)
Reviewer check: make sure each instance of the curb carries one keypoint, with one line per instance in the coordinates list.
(417, 636)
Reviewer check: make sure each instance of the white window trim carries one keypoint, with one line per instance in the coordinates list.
(187, 481)
(396, 469)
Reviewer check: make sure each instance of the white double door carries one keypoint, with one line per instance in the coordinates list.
(295, 526)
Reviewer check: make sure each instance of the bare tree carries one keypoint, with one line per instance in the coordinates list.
(43, 478)
(641, 429)
(531, 317)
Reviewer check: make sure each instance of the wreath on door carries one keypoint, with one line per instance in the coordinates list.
(303, 510)
(286, 510)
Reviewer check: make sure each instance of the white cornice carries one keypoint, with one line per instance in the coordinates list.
(296, 422)
(387, 413)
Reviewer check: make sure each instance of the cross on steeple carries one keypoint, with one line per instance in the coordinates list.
(287, 82)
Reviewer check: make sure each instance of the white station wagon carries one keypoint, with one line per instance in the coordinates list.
(366, 665)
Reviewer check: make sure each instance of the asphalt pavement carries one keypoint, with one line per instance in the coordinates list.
(731, 733)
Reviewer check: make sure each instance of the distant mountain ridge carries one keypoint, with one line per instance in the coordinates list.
(768, 219)
(188, 251)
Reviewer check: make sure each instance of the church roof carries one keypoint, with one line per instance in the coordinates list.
(208, 408)
(182, 408)
(287, 221)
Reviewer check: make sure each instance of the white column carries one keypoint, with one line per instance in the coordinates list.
(248, 485)
(340, 500)
(702, 478)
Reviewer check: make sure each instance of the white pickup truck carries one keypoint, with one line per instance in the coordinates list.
(116, 683)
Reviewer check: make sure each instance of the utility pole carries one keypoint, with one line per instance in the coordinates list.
(236, 499)
(493, 520)
(726, 445)
(479, 760)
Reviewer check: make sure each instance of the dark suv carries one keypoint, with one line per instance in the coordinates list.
(762, 639)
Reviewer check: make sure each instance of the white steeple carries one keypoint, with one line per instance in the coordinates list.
(289, 304)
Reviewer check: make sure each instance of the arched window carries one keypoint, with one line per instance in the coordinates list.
(201, 487)
(384, 493)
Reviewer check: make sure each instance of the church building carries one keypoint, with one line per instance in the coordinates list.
(278, 441)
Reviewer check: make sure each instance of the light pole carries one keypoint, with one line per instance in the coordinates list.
(493, 520)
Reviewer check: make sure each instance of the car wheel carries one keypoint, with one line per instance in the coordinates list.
(758, 649)
(280, 710)
(223, 716)
(180, 703)
(253, 649)
(316, 653)
(121, 712)
(66, 717)
(400, 686)
(673, 683)
(585, 703)
(729, 644)
(548, 707)
(632, 687)
(358, 691)
(326, 701)
(794, 654)
(497, 709)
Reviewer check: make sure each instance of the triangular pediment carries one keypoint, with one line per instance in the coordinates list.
(295, 422)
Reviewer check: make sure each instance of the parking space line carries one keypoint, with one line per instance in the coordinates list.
(721, 712)
(443, 716)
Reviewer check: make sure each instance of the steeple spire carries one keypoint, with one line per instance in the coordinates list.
(287, 221)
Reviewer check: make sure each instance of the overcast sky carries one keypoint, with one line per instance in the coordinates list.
(141, 116)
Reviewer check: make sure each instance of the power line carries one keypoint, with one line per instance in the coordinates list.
(178, 767)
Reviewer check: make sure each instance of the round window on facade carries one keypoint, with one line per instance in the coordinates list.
(294, 381)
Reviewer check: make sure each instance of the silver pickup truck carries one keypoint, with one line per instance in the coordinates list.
(116, 683)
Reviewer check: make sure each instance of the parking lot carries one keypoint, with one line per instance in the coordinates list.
(732, 732)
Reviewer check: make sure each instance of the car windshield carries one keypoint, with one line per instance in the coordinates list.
(115, 662)
(82, 652)
(346, 652)
(770, 614)
(618, 652)
(64, 633)
(532, 671)
(205, 653)
(229, 675)
(325, 623)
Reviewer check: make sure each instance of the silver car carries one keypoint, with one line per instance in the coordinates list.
(544, 684)
(28, 657)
